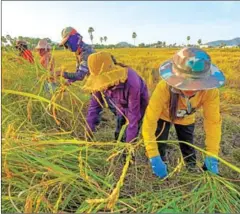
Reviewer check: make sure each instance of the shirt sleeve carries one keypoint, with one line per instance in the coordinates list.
(134, 113)
(158, 100)
(212, 120)
(81, 72)
(94, 110)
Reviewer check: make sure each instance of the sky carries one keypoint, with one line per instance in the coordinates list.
(153, 21)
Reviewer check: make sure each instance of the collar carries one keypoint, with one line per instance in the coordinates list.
(188, 97)
(113, 88)
(119, 86)
(177, 91)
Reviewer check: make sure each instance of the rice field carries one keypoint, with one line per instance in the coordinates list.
(49, 167)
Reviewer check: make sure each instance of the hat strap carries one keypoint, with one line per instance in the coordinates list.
(174, 90)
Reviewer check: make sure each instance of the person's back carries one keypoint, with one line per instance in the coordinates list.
(72, 41)
(85, 51)
(190, 81)
(136, 82)
(27, 54)
(47, 61)
(121, 86)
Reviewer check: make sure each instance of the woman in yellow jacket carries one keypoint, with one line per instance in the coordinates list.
(190, 81)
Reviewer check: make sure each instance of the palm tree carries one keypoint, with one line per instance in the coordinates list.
(101, 40)
(91, 37)
(134, 36)
(188, 39)
(90, 31)
(105, 38)
(199, 42)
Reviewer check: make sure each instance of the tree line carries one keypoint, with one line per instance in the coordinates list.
(8, 41)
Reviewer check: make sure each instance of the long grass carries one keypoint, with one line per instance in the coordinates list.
(49, 167)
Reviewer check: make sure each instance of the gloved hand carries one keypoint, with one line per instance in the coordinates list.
(158, 166)
(211, 164)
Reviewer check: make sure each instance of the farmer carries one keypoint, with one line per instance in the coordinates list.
(72, 41)
(123, 87)
(44, 50)
(47, 61)
(190, 81)
(24, 52)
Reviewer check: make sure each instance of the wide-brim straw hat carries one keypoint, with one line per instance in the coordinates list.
(191, 69)
(103, 72)
(43, 44)
(20, 42)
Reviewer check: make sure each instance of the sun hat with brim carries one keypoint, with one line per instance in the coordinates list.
(43, 44)
(66, 33)
(20, 42)
(103, 72)
(191, 69)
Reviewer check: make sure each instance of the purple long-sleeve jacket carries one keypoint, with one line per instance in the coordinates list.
(131, 97)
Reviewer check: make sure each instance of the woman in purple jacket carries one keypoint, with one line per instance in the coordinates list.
(122, 87)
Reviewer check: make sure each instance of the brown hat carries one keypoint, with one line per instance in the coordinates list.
(43, 44)
(20, 42)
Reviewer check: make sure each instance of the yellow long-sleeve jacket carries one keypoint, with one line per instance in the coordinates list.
(158, 108)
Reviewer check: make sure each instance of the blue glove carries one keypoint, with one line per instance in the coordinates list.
(212, 164)
(158, 166)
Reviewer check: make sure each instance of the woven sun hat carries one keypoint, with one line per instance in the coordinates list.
(43, 44)
(103, 72)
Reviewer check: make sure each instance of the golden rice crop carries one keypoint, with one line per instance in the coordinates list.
(48, 166)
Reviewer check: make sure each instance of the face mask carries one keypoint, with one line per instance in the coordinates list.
(73, 42)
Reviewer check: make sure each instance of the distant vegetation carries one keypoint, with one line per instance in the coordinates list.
(8, 41)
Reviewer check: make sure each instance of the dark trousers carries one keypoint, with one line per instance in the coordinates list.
(112, 109)
(120, 122)
(184, 133)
